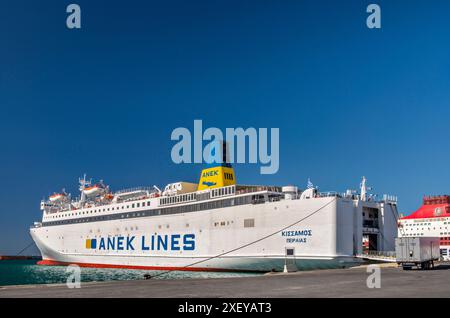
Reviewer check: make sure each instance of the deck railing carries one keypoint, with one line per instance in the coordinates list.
(135, 189)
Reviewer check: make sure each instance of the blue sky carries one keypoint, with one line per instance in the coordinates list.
(349, 101)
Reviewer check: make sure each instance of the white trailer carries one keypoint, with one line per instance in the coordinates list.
(417, 251)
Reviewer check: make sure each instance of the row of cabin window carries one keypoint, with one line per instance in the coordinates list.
(418, 234)
(108, 217)
(419, 224)
(191, 196)
(416, 222)
(178, 198)
(223, 191)
(207, 205)
(134, 205)
(172, 210)
(429, 229)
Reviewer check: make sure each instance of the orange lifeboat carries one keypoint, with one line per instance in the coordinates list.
(95, 190)
(108, 196)
(57, 197)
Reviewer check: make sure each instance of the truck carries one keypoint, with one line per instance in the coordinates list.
(417, 251)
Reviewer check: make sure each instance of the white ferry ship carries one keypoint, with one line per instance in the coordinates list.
(215, 225)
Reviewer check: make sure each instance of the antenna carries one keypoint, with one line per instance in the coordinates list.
(83, 184)
(364, 189)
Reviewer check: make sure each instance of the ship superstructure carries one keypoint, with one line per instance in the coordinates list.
(213, 225)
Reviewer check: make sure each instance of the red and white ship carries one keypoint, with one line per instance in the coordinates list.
(432, 219)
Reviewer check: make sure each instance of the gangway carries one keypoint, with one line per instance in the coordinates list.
(381, 256)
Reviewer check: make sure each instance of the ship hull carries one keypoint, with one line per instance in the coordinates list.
(306, 234)
(241, 264)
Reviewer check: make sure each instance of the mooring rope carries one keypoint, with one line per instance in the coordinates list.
(23, 250)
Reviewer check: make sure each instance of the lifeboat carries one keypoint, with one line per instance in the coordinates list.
(93, 191)
(108, 196)
(57, 197)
